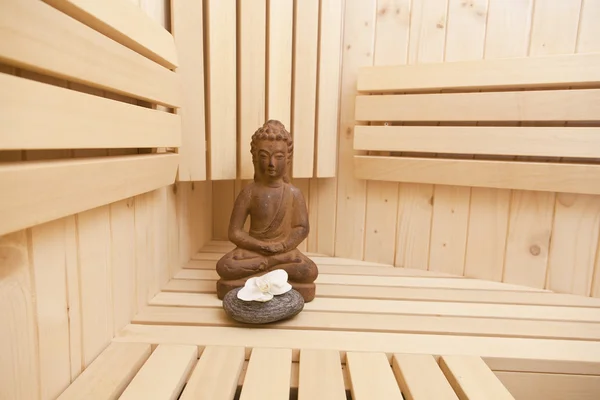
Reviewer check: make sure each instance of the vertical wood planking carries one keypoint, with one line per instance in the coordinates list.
(74, 296)
(187, 29)
(96, 281)
(48, 257)
(280, 21)
(320, 375)
(303, 185)
(574, 244)
(224, 197)
(359, 33)
(326, 215)
(252, 77)
(18, 332)
(143, 257)
(306, 32)
(268, 375)
(313, 214)
(393, 20)
(428, 25)
(371, 377)
(507, 35)
(589, 30)
(328, 92)
(222, 86)
(173, 231)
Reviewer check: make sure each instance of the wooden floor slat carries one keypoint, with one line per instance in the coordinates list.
(420, 378)
(472, 379)
(110, 373)
(268, 375)
(164, 374)
(371, 377)
(321, 375)
(216, 374)
(514, 354)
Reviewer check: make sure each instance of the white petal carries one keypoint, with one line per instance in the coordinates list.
(281, 288)
(249, 293)
(278, 276)
(264, 297)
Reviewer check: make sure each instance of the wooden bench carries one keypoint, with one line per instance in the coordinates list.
(134, 371)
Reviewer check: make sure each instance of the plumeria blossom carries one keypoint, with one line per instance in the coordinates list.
(263, 288)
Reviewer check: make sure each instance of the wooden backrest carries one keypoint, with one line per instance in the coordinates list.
(121, 64)
(523, 123)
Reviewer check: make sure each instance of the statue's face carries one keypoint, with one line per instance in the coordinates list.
(272, 158)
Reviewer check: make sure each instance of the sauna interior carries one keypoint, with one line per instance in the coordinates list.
(447, 150)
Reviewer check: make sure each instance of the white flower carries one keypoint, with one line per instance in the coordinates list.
(263, 288)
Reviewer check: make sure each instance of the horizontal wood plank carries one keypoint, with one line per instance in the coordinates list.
(268, 375)
(40, 116)
(40, 191)
(552, 177)
(32, 29)
(109, 374)
(486, 140)
(516, 354)
(371, 377)
(550, 386)
(320, 375)
(544, 105)
(125, 23)
(576, 70)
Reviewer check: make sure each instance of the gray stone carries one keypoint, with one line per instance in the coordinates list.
(280, 307)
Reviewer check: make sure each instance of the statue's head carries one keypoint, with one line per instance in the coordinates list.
(272, 148)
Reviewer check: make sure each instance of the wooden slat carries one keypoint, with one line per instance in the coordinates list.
(40, 191)
(328, 90)
(551, 177)
(550, 386)
(542, 105)
(420, 377)
(472, 379)
(306, 29)
(515, 141)
(125, 23)
(221, 90)
(268, 375)
(33, 29)
(391, 323)
(537, 71)
(515, 354)
(108, 376)
(433, 308)
(371, 377)
(252, 76)
(216, 375)
(164, 374)
(187, 26)
(40, 116)
(321, 375)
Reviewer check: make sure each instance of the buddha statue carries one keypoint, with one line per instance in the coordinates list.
(278, 220)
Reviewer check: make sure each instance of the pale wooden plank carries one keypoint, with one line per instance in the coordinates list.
(550, 386)
(533, 105)
(472, 379)
(279, 61)
(95, 269)
(268, 374)
(326, 215)
(223, 194)
(514, 353)
(350, 195)
(48, 258)
(160, 269)
(466, 30)
(537, 176)
(63, 187)
(420, 377)
(304, 104)
(536, 71)
(164, 374)
(328, 90)
(20, 363)
(108, 376)
(451, 306)
(371, 377)
(252, 78)
(40, 116)
(589, 32)
(514, 141)
(549, 38)
(143, 258)
(216, 374)
(313, 217)
(125, 23)
(221, 87)
(187, 26)
(427, 31)
(414, 293)
(73, 296)
(320, 375)
(508, 27)
(35, 26)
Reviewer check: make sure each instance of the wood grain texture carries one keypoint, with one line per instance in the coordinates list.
(320, 375)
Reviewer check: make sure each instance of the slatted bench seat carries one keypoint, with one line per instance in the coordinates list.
(171, 371)
(401, 329)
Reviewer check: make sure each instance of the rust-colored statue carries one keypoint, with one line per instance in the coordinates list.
(278, 220)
